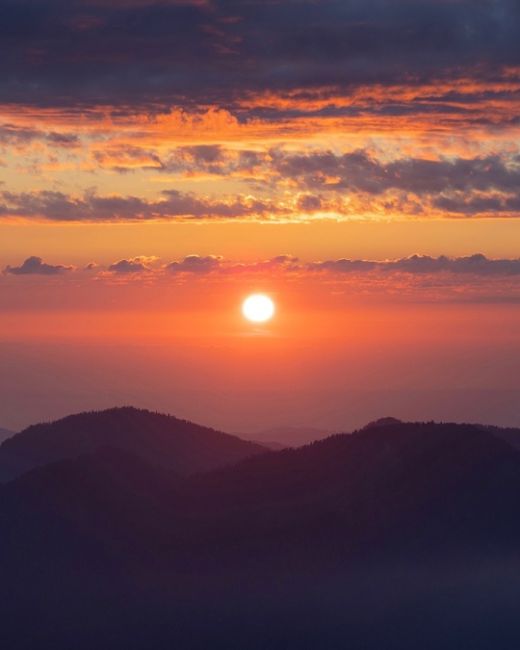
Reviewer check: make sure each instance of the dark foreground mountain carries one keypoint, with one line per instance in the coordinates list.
(161, 440)
(397, 536)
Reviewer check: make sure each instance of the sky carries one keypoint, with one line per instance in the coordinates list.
(359, 162)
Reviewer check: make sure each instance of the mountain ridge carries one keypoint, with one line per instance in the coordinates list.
(5, 434)
(163, 440)
(359, 532)
(369, 482)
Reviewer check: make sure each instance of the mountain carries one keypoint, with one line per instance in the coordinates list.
(409, 482)
(161, 440)
(510, 435)
(272, 445)
(399, 535)
(402, 485)
(382, 422)
(5, 433)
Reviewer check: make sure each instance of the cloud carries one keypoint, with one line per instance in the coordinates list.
(359, 171)
(195, 264)
(343, 266)
(355, 182)
(309, 203)
(419, 265)
(415, 271)
(195, 53)
(213, 159)
(477, 264)
(19, 136)
(134, 265)
(36, 266)
(57, 206)
(204, 159)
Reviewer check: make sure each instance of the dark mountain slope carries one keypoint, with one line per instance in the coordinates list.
(403, 485)
(161, 440)
(417, 483)
(397, 536)
(99, 508)
(509, 434)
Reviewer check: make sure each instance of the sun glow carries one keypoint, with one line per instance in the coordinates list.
(258, 308)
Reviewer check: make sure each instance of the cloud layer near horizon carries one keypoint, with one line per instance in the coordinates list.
(197, 281)
(197, 265)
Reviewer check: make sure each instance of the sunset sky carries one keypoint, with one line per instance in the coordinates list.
(358, 161)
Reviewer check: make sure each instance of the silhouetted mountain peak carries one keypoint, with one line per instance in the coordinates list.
(382, 422)
(159, 439)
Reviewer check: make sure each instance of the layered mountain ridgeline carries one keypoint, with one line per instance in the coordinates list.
(5, 433)
(346, 542)
(390, 485)
(161, 440)
(283, 437)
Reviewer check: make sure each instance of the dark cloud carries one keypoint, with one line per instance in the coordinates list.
(477, 265)
(13, 135)
(135, 265)
(212, 159)
(57, 206)
(470, 205)
(344, 266)
(280, 263)
(469, 186)
(188, 160)
(309, 203)
(189, 54)
(423, 264)
(195, 264)
(359, 171)
(36, 266)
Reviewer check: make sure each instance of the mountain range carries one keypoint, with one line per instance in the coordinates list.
(399, 535)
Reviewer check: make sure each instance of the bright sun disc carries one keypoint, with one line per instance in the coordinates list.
(258, 308)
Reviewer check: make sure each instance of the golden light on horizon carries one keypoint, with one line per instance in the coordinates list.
(258, 308)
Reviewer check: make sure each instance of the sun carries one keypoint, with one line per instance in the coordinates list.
(258, 308)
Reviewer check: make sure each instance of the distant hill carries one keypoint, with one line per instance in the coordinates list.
(283, 437)
(354, 538)
(5, 433)
(382, 422)
(161, 440)
(407, 482)
(272, 445)
(410, 482)
(510, 435)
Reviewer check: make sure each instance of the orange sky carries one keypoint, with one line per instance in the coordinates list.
(358, 161)
(332, 368)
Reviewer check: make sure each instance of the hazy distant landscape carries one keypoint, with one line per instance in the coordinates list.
(126, 527)
(5, 433)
